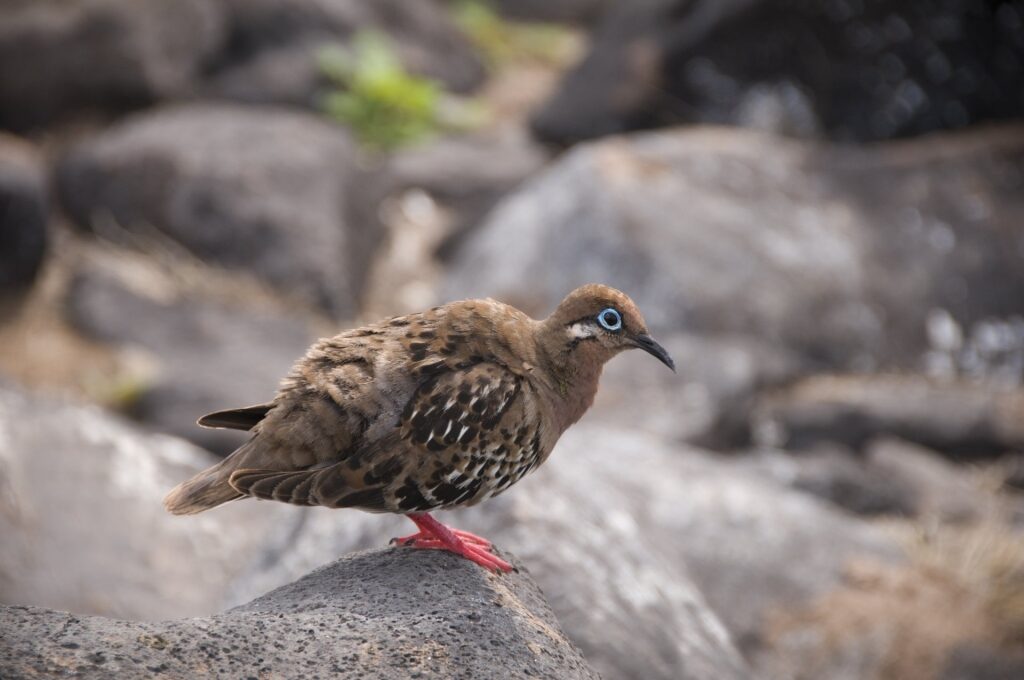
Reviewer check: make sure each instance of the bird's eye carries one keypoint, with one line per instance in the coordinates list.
(610, 319)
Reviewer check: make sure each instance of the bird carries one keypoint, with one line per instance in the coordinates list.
(429, 411)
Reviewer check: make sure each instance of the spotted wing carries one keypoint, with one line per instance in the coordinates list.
(467, 431)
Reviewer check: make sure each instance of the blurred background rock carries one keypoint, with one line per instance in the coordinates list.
(819, 205)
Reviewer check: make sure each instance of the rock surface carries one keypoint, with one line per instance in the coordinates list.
(59, 57)
(962, 419)
(461, 175)
(850, 71)
(641, 547)
(23, 214)
(271, 56)
(802, 245)
(83, 526)
(261, 190)
(388, 614)
(208, 356)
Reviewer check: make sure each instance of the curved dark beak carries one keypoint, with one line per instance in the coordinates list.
(647, 344)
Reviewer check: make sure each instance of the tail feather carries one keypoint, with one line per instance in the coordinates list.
(206, 490)
(236, 418)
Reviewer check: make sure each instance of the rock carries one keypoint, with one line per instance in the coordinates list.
(632, 540)
(983, 662)
(208, 356)
(83, 526)
(805, 246)
(58, 57)
(261, 190)
(387, 614)
(961, 419)
(890, 477)
(708, 400)
(939, 489)
(848, 71)
(843, 478)
(23, 214)
(273, 45)
(463, 175)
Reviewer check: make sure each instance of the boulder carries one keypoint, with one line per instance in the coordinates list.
(708, 400)
(643, 549)
(938, 488)
(835, 254)
(961, 419)
(273, 45)
(836, 474)
(386, 614)
(849, 71)
(208, 355)
(260, 190)
(83, 526)
(59, 57)
(463, 175)
(23, 215)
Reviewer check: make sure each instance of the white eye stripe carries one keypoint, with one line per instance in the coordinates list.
(582, 329)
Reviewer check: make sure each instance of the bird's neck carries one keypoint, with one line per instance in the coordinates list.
(574, 375)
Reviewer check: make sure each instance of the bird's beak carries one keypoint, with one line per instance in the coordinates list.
(647, 344)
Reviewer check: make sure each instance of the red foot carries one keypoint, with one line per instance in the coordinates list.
(436, 536)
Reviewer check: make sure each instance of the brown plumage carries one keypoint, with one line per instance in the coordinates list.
(443, 408)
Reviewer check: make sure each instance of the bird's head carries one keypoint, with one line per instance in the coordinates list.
(594, 323)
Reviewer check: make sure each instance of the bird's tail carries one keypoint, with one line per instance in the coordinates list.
(206, 490)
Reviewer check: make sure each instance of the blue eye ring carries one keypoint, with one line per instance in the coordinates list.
(610, 319)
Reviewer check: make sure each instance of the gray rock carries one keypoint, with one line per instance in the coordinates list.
(60, 57)
(709, 400)
(208, 356)
(802, 245)
(23, 214)
(958, 418)
(632, 540)
(83, 526)
(938, 488)
(843, 478)
(980, 661)
(261, 190)
(272, 53)
(850, 71)
(466, 175)
(388, 614)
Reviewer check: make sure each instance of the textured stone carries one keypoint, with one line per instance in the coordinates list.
(642, 548)
(959, 418)
(851, 71)
(82, 523)
(802, 245)
(273, 45)
(58, 57)
(387, 614)
(261, 190)
(23, 214)
(206, 354)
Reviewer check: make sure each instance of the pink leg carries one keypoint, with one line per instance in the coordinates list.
(433, 535)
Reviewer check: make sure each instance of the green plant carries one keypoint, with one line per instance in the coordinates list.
(504, 41)
(384, 105)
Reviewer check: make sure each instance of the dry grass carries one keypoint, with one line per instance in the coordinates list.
(960, 585)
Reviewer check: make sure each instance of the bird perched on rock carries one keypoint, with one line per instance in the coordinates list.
(434, 410)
